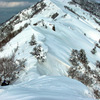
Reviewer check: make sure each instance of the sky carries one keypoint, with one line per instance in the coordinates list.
(9, 8)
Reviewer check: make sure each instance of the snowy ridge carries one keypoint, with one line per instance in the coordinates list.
(47, 88)
(58, 30)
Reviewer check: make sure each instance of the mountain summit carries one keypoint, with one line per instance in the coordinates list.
(44, 46)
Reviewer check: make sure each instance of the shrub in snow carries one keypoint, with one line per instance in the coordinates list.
(9, 70)
(37, 8)
(1, 35)
(74, 58)
(20, 29)
(25, 25)
(71, 72)
(93, 51)
(97, 45)
(98, 64)
(97, 93)
(84, 73)
(33, 41)
(7, 28)
(39, 53)
(82, 57)
(78, 56)
(76, 72)
(85, 79)
(90, 78)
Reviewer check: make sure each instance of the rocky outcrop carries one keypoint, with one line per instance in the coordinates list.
(80, 1)
(7, 31)
(89, 6)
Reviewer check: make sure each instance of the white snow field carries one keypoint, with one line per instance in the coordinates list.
(46, 88)
(49, 80)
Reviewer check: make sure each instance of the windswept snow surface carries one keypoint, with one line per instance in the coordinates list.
(46, 88)
(48, 80)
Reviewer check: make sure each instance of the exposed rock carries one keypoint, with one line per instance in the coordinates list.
(6, 30)
(54, 15)
(89, 6)
(53, 28)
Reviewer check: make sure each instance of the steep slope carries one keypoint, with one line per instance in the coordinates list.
(59, 27)
(89, 5)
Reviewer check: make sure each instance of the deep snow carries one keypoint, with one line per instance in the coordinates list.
(48, 80)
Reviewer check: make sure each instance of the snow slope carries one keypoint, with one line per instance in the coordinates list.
(47, 88)
(48, 80)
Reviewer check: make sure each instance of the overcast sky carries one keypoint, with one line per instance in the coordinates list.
(8, 8)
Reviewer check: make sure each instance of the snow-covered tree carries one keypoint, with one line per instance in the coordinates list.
(9, 70)
(39, 53)
(33, 41)
(78, 56)
(74, 57)
(82, 57)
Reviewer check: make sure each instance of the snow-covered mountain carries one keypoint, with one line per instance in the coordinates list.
(57, 40)
(90, 5)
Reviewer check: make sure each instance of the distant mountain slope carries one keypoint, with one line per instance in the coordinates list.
(90, 5)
